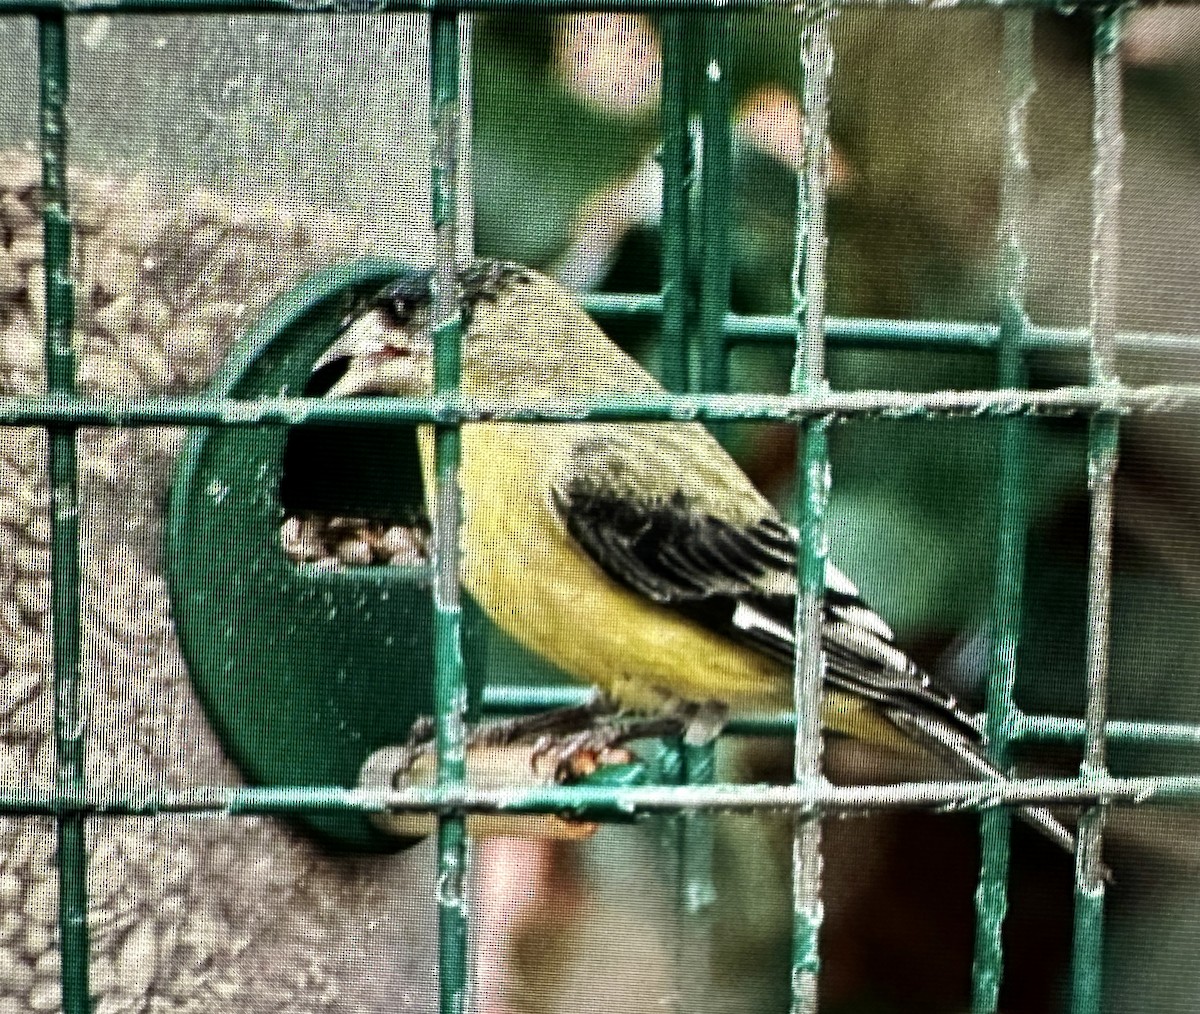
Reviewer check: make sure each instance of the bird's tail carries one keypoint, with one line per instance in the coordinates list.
(967, 756)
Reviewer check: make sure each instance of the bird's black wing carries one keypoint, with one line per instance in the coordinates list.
(740, 581)
(720, 574)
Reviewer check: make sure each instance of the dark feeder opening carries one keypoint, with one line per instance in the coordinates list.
(361, 472)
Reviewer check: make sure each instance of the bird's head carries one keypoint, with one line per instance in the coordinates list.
(526, 336)
(389, 348)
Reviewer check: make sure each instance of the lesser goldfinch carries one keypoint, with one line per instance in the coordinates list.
(637, 556)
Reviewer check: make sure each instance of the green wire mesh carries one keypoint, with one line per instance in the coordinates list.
(698, 336)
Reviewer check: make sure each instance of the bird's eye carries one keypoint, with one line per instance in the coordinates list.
(404, 298)
(400, 311)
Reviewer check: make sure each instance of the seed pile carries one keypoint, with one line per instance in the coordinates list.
(186, 914)
(358, 542)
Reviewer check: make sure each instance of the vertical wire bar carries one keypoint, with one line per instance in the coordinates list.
(464, 225)
(808, 284)
(697, 890)
(991, 897)
(446, 61)
(1108, 146)
(707, 373)
(678, 166)
(708, 358)
(69, 720)
(696, 873)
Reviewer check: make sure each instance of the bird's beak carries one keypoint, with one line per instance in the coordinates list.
(393, 369)
(382, 359)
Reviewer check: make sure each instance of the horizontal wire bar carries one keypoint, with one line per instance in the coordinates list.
(200, 410)
(599, 802)
(506, 699)
(887, 332)
(498, 699)
(1051, 728)
(881, 332)
(300, 7)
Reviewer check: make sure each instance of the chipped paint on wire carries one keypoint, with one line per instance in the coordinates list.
(312, 7)
(447, 409)
(1107, 144)
(808, 379)
(448, 66)
(606, 802)
(991, 894)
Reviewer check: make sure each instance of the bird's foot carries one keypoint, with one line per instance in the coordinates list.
(557, 722)
(578, 755)
(603, 743)
(575, 741)
(563, 743)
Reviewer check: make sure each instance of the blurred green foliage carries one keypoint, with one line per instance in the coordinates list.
(911, 236)
(917, 113)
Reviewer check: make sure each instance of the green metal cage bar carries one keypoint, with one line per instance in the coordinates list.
(677, 158)
(709, 359)
(69, 719)
(1114, 399)
(1025, 728)
(695, 268)
(991, 896)
(446, 60)
(882, 332)
(808, 376)
(702, 366)
(303, 7)
(602, 802)
(678, 164)
(1107, 145)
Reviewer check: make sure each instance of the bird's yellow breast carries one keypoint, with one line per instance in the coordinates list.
(528, 574)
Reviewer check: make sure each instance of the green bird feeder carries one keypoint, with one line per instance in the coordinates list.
(304, 671)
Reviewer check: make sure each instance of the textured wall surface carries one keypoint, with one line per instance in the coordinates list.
(187, 914)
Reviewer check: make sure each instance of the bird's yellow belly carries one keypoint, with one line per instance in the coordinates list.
(522, 566)
(527, 573)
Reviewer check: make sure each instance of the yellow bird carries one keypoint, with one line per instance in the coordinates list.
(637, 557)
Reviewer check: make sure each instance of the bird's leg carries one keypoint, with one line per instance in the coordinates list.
(702, 721)
(423, 732)
(555, 722)
(500, 732)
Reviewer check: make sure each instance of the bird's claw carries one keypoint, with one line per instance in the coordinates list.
(580, 754)
(702, 721)
(574, 742)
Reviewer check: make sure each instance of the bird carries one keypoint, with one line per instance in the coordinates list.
(636, 556)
